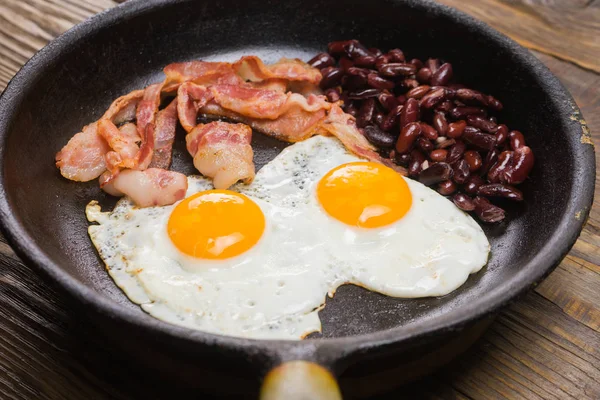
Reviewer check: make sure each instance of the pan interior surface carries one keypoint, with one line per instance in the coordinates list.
(77, 84)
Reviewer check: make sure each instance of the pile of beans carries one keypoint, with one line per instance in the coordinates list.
(444, 133)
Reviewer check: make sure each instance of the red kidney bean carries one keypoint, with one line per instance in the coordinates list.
(377, 82)
(321, 61)
(446, 188)
(462, 112)
(391, 118)
(355, 49)
(416, 162)
(417, 63)
(473, 159)
(501, 134)
(345, 100)
(382, 59)
(456, 152)
(442, 76)
(365, 61)
(407, 137)
(456, 86)
(440, 123)
(337, 47)
(424, 75)
(331, 77)
(345, 63)
(378, 118)
(481, 123)
(387, 100)
(332, 95)
(354, 82)
(410, 113)
(363, 94)
(494, 103)
(392, 70)
(433, 64)
(517, 139)
(490, 159)
(428, 131)
(500, 190)
(479, 139)
(365, 113)
(470, 130)
(407, 84)
(502, 165)
(402, 99)
(425, 144)
(472, 184)
(378, 137)
(461, 171)
(444, 106)
(446, 143)
(436, 173)
(418, 92)
(403, 159)
(396, 56)
(463, 202)
(471, 96)
(438, 155)
(456, 129)
(432, 98)
(486, 211)
(521, 164)
(362, 72)
(352, 109)
(375, 51)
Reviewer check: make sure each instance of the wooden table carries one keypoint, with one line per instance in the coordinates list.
(546, 346)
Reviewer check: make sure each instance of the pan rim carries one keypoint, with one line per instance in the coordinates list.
(538, 267)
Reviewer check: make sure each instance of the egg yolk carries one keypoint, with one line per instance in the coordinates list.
(216, 224)
(364, 194)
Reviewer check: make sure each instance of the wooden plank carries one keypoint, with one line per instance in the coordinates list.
(575, 285)
(569, 30)
(27, 25)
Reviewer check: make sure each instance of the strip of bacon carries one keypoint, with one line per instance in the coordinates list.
(151, 187)
(199, 72)
(124, 141)
(148, 107)
(190, 98)
(145, 120)
(251, 68)
(166, 125)
(222, 151)
(82, 158)
(124, 108)
(287, 116)
(275, 84)
(294, 126)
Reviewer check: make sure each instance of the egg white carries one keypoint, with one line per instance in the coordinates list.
(276, 289)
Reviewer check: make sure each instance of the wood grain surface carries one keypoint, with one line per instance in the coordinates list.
(545, 346)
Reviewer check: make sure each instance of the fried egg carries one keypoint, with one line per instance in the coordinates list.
(258, 260)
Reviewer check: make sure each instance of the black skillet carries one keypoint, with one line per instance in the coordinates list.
(369, 342)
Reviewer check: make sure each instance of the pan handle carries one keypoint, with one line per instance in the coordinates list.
(300, 380)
